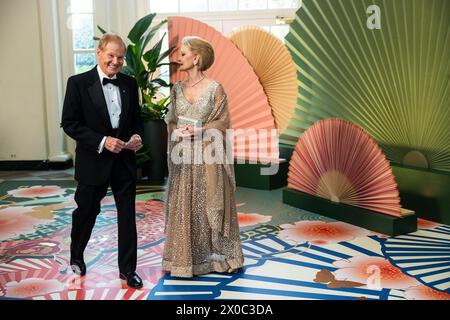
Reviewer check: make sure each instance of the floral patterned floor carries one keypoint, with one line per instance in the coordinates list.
(289, 253)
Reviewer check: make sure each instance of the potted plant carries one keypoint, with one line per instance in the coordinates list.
(143, 64)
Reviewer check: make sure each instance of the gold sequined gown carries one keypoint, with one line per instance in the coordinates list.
(202, 231)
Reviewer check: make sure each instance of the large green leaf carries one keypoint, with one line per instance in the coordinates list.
(155, 111)
(128, 71)
(162, 102)
(140, 27)
(161, 82)
(129, 58)
(137, 58)
(165, 54)
(103, 31)
(145, 40)
(147, 99)
(172, 63)
(141, 78)
(152, 55)
(142, 156)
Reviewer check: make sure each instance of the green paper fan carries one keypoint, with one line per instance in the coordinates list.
(394, 81)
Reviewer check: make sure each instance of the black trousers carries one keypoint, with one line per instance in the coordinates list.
(88, 199)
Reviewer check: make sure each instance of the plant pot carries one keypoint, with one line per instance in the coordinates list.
(139, 173)
(155, 140)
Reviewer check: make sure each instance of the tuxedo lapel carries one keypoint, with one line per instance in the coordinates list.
(98, 98)
(125, 99)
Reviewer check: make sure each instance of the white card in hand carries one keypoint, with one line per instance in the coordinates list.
(186, 121)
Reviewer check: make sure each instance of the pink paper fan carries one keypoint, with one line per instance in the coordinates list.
(339, 161)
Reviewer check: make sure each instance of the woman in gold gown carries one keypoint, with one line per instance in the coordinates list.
(202, 231)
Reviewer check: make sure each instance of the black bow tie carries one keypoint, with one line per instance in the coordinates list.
(112, 81)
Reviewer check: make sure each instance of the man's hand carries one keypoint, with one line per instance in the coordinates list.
(135, 143)
(114, 145)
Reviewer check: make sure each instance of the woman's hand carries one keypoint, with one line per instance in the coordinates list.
(186, 131)
(182, 131)
(193, 131)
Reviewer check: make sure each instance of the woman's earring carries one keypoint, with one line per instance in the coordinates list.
(195, 63)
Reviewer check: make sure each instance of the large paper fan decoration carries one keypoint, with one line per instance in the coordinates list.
(248, 105)
(393, 81)
(274, 67)
(339, 161)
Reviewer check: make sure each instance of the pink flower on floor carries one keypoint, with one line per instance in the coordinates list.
(153, 205)
(320, 232)
(37, 191)
(425, 224)
(14, 221)
(141, 207)
(373, 270)
(32, 287)
(33, 247)
(425, 293)
(149, 206)
(251, 219)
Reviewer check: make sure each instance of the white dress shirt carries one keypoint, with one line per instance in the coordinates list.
(113, 102)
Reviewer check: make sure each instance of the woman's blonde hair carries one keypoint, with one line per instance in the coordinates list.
(201, 47)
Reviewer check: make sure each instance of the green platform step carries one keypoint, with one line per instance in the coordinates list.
(249, 175)
(426, 192)
(286, 151)
(371, 220)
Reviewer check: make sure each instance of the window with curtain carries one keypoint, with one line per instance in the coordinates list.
(81, 23)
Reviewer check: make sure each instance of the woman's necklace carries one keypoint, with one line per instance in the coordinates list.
(198, 82)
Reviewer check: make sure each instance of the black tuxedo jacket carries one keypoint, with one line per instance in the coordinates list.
(85, 119)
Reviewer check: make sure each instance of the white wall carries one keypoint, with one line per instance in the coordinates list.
(22, 113)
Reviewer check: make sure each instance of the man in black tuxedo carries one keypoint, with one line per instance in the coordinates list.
(101, 113)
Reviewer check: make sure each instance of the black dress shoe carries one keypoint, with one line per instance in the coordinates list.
(133, 280)
(78, 267)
